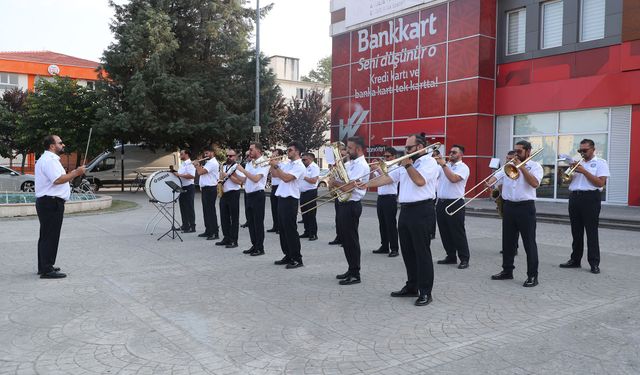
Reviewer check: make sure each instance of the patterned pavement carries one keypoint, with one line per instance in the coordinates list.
(134, 305)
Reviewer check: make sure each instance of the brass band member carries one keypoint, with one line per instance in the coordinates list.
(230, 201)
(256, 180)
(288, 194)
(187, 174)
(349, 212)
(587, 182)
(519, 215)
(273, 199)
(209, 174)
(416, 195)
(387, 209)
(338, 240)
(500, 201)
(309, 192)
(451, 185)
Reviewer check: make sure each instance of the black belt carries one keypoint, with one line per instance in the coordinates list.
(348, 202)
(417, 203)
(387, 195)
(291, 198)
(519, 203)
(585, 192)
(255, 192)
(209, 186)
(50, 197)
(448, 200)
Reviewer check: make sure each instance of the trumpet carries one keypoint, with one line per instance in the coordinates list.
(511, 170)
(201, 160)
(265, 162)
(568, 174)
(384, 167)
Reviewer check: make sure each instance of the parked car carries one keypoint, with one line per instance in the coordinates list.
(11, 180)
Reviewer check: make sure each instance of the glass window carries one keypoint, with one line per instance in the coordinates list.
(106, 164)
(8, 81)
(516, 31)
(545, 123)
(584, 121)
(551, 24)
(592, 20)
(569, 144)
(4, 171)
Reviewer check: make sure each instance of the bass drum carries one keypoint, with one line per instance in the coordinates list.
(157, 189)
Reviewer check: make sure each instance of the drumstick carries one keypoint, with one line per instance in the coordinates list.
(84, 162)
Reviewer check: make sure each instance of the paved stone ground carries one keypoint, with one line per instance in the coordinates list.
(134, 305)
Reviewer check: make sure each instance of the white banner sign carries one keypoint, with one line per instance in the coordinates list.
(359, 11)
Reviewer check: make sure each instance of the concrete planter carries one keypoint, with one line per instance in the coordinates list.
(29, 209)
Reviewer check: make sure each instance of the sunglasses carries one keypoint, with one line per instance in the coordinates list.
(583, 150)
(453, 152)
(411, 147)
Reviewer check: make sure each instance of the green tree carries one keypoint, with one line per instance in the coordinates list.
(307, 120)
(59, 107)
(181, 74)
(322, 72)
(12, 107)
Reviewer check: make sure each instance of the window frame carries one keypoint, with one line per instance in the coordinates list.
(542, 14)
(581, 22)
(507, 39)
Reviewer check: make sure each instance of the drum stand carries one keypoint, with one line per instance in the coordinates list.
(174, 231)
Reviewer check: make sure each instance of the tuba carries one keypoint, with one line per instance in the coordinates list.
(339, 171)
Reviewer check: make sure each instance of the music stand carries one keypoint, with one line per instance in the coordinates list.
(175, 189)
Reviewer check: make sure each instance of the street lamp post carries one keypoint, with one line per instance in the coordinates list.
(256, 128)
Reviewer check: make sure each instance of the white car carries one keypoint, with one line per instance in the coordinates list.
(11, 180)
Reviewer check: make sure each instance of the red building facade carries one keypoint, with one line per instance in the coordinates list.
(486, 73)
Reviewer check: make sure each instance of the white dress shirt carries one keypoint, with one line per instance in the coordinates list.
(519, 190)
(597, 167)
(410, 192)
(230, 185)
(48, 169)
(311, 171)
(358, 169)
(291, 189)
(451, 190)
(187, 167)
(213, 173)
(252, 187)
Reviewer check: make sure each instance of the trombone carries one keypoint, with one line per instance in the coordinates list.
(384, 167)
(265, 162)
(511, 170)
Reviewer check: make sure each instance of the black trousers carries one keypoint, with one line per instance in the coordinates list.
(255, 218)
(288, 228)
(50, 214)
(187, 210)
(584, 212)
(336, 207)
(519, 217)
(230, 215)
(414, 226)
(452, 231)
(309, 219)
(348, 221)
(274, 206)
(387, 208)
(209, 196)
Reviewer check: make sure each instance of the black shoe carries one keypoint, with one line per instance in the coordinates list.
(190, 230)
(531, 282)
(349, 280)
(405, 292)
(448, 260)
(272, 230)
(231, 245)
(313, 237)
(55, 269)
(256, 253)
(214, 237)
(303, 235)
(423, 300)
(53, 275)
(381, 250)
(294, 264)
(571, 264)
(463, 264)
(282, 261)
(343, 276)
(205, 234)
(335, 242)
(393, 253)
(502, 276)
(595, 269)
(248, 251)
(224, 242)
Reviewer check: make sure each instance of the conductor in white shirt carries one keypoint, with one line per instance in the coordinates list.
(52, 191)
